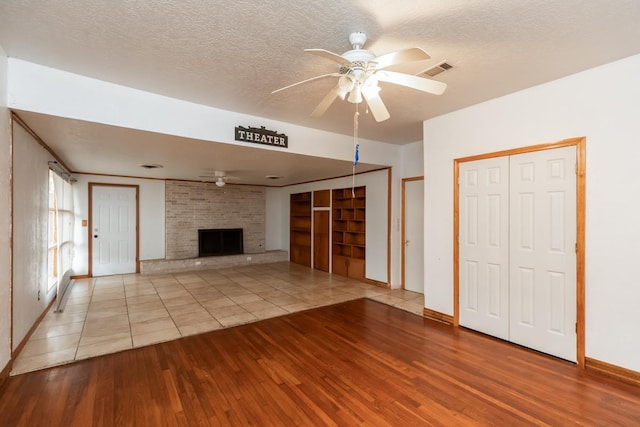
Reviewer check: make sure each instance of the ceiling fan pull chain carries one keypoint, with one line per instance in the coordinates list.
(355, 152)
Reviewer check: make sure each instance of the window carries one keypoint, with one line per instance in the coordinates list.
(52, 263)
(60, 233)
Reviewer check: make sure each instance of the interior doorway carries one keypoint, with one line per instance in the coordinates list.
(321, 226)
(321, 222)
(113, 229)
(413, 234)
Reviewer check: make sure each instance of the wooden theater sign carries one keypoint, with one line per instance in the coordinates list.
(261, 136)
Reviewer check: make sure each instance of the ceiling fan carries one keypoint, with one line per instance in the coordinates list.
(360, 71)
(219, 177)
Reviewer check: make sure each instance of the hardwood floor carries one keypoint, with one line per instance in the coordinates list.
(354, 363)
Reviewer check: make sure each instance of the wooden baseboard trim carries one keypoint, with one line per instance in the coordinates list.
(623, 374)
(378, 284)
(80, 276)
(20, 346)
(437, 316)
(4, 374)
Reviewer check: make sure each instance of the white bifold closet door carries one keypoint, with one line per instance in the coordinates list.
(484, 246)
(543, 251)
(517, 249)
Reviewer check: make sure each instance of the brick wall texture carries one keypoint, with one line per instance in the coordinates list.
(191, 206)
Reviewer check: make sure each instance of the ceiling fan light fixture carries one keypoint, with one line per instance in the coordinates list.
(345, 83)
(370, 89)
(220, 182)
(371, 81)
(355, 96)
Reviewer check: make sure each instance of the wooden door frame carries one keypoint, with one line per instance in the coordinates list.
(90, 222)
(403, 226)
(580, 144)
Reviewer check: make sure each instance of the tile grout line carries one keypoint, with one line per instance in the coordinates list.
(126, 303)
(86, 315)
(165, 306)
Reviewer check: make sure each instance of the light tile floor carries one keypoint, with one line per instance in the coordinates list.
(109, 314)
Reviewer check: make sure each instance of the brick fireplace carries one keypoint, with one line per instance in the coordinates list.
(191, 206)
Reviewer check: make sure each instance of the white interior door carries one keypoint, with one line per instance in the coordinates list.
(414, 236)
(113, 231)
(543, 259)
(484, 246)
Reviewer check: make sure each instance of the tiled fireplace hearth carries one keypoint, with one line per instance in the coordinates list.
(158, 266)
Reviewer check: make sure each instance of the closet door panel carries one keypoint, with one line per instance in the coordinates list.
(542, 251)
(484, 246)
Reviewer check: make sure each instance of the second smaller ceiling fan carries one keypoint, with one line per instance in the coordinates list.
(360, 71)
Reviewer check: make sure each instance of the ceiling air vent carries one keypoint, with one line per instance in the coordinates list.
(438, 69)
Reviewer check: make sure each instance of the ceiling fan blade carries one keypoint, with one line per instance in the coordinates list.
(400, 57)
(329, 55)
(379, 111)
(325, 103)
(307, 81)
(414, 82)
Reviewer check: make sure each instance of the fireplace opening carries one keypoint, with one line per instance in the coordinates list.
(220, 241)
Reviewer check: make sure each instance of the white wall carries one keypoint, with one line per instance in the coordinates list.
(412, 159)
(152, 217)
(5, 218)
(376, 236)
(274, 223)
(602, 104)
(30, 226)
(36, 88)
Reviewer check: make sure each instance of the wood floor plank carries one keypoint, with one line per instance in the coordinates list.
(355, 363)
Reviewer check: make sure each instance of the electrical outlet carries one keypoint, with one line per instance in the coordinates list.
(248, 258)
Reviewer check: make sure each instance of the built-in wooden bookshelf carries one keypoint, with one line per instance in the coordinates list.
(349, 232)
(300, 228)
(321, 229)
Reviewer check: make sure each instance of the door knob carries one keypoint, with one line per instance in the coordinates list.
(406, 243)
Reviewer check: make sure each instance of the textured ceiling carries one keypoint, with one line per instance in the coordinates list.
(232, 54)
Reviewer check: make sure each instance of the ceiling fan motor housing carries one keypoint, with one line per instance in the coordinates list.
(357, 39)
(358, 55)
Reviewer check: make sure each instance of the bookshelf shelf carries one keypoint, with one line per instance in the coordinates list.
(300, 229)
(349, 232)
